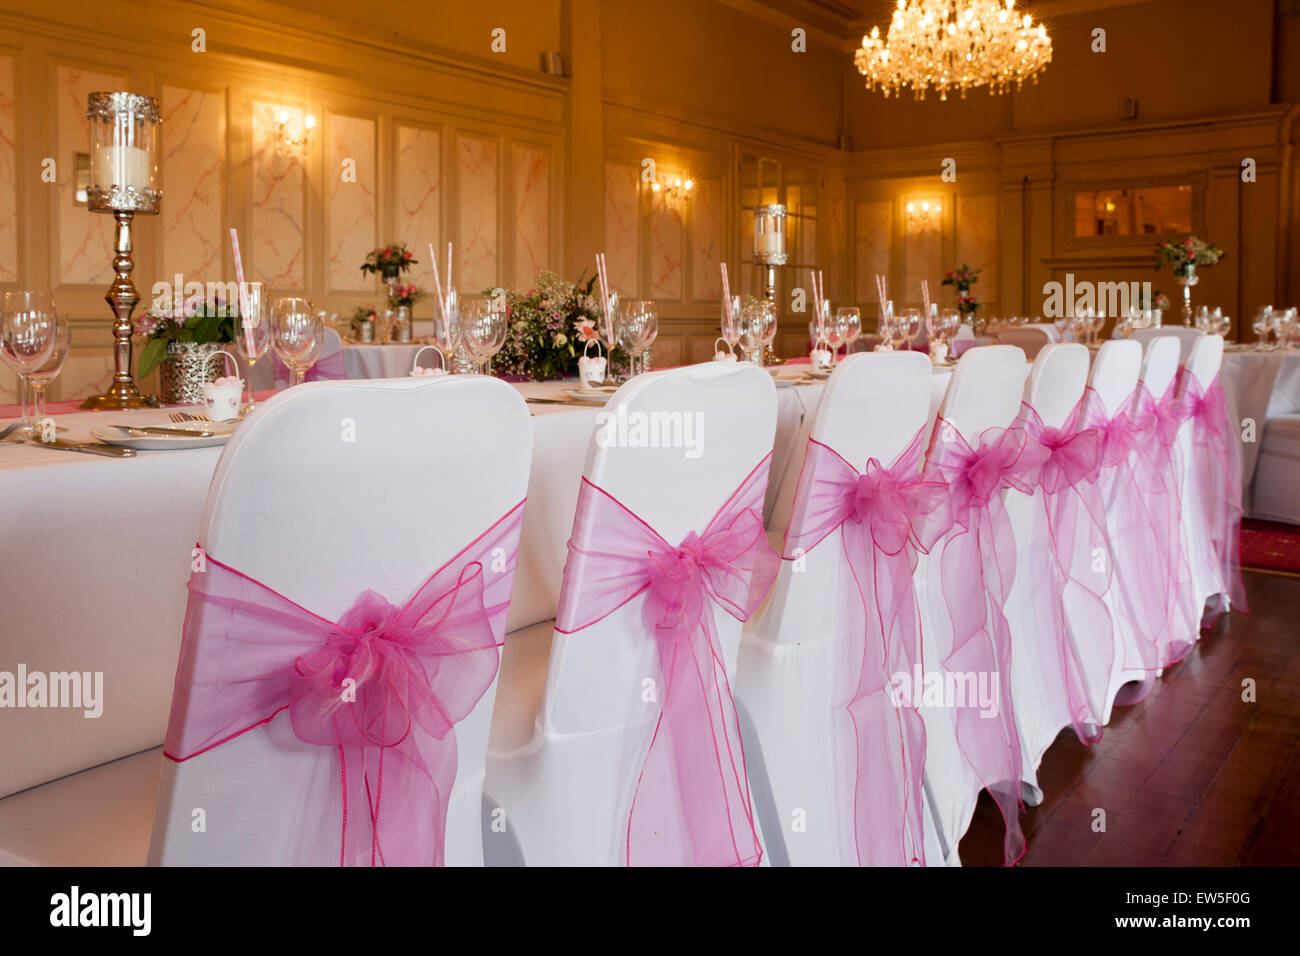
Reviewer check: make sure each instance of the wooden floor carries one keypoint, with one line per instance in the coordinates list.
(1191, 776)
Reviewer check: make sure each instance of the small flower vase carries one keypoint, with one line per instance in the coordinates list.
(187, 367)
(1187, 278)
(402, 324)
(365, 330)
(462, 363)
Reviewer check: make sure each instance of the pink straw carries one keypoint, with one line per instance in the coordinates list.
(449, 282)
(239, 275)
(726, 302)
(604, 297)
(437, 283)
(925, 297)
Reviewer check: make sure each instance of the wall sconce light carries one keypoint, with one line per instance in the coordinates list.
(923, 211)
(285, 140)
(674, 186)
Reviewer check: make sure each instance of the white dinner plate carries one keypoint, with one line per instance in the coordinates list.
(596, 396)
(819, 373)
(110, 435)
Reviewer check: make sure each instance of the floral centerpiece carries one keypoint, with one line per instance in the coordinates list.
(404, 295)
(963, 278)
(389, 262)
(182, 339)
(1185, 255)
(549, 326)
(363, 323)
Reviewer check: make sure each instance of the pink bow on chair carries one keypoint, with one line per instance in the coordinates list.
(1139, 583)
(977, 566)
(1158, 470)
(1217, 454)
(1072, 517)
(886, 516)
(328, 369)
(381, 689)
(691, 805)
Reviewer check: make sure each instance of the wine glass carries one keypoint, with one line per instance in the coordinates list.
(909, 326)
(849, 318)
(297, 335)
(482, 327)
(28, 335)
(253, 334)
(50, 370)
(835, 335)
(640, 321)
(769, 326)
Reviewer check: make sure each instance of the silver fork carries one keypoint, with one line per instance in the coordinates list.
(179, 417)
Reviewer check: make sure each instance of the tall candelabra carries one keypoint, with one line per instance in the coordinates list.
(769, 252)
(123, 181)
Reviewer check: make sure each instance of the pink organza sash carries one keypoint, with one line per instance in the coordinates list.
(328, 369)
(1071, 610)
(1157, 470)
(886, 516)
(1139, 588)
(977, 567)
(379, 691)
(691, 805)
(1216, 456)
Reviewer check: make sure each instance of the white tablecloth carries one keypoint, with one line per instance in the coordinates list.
(1257, 384)
(97, 554)
(389, 360)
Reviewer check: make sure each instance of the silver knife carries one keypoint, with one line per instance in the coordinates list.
(162, 430)
(87, 447)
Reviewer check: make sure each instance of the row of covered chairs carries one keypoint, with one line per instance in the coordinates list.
(711, 692)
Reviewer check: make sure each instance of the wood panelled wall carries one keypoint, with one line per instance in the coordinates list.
(525, 171)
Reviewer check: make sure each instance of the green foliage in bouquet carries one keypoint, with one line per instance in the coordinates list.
(192, 320)
(548, 328)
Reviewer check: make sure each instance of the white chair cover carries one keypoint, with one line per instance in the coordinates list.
(985, 392)
(791, 683)
(363, 444)
(565, 772)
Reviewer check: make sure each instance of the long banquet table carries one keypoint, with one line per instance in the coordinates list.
(98, 553)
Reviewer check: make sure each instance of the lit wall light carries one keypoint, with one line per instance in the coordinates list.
(676, 187)
(923, 210)
(285, 140)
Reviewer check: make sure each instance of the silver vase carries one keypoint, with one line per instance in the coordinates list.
(185, 370)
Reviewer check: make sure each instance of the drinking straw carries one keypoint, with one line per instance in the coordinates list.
(925, 297)
(437, 284)
(604, 296)
(819, 281)
(449, 282)
(239, 275)
(726, 301)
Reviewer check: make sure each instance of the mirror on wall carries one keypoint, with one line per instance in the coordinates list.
(1134, 211)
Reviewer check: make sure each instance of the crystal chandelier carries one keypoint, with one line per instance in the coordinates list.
(954, 45)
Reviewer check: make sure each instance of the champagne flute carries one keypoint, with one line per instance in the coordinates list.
(298, 334)
(253, 336)
(731, 333)
(28, 335)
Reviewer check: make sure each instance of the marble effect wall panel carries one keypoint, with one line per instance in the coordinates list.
(477, 255)
(419, 197)
(193, 166)
(276, 246)
(85, 239)
(350, 212)
(532, 213)
(622, 230)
